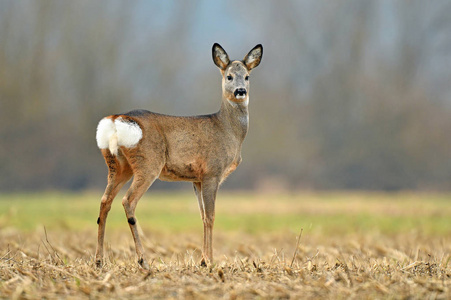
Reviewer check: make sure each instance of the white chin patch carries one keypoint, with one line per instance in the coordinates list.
(239, 97)
(244, 102)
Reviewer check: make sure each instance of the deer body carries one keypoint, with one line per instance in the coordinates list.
(200, 149)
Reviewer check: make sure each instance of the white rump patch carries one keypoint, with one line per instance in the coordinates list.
(118, 133)
(128, 133)
(105, 131)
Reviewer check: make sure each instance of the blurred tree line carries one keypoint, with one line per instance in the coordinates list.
(350, 94)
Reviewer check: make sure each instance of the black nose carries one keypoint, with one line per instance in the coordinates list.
(240, 92)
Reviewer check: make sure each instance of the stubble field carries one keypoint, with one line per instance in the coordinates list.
(353, 245)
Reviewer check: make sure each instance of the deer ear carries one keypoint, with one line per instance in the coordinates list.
(220, 57)
(254, 57)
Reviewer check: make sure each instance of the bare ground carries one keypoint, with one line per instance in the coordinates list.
(59, 264)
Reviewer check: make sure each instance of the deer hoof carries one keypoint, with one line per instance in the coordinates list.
(99, 263)
(143, 263)
(203, 263)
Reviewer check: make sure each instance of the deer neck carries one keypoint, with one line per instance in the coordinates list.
(236, 117)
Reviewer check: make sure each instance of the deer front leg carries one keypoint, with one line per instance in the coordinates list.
(208, 194)
(198, 191)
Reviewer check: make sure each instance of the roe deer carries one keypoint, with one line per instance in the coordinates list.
(201, 149)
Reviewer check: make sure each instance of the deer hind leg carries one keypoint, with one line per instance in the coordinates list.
(207, 198)
(139, 186)
(145, 172)
(119, 172)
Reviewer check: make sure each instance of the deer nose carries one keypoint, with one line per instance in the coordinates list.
(240, 92)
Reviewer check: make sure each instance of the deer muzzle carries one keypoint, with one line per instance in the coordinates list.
(240, 93)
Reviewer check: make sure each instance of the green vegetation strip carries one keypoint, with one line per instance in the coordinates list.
(322, 213)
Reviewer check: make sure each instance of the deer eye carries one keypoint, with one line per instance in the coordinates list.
(229, 78)
(246, 78)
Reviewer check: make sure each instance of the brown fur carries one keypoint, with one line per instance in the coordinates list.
(201, 149)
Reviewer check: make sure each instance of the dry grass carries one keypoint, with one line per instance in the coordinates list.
(247, 266)
(370, 264)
